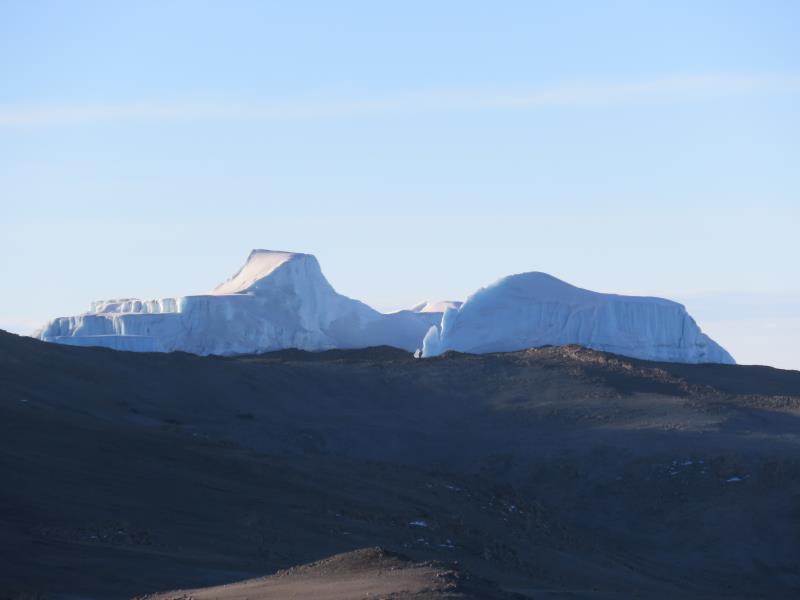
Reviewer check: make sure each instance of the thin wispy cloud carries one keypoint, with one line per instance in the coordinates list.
(575, 95)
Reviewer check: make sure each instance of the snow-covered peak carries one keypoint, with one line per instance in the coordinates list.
(261, 264)
(438, 306)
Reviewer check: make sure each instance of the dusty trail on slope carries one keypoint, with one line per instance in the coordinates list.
(367, 573)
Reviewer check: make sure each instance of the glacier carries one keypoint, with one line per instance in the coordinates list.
(276, 300)
(436, 306)
(536, 309)
(282, 300)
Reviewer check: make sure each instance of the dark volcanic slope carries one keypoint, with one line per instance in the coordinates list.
(558, 472)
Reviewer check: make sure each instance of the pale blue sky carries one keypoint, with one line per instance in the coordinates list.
(420, 150)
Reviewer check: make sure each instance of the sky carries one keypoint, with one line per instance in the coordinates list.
(420, 150)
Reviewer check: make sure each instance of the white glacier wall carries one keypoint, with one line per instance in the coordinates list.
(276, 300)
(282, 300)
(536, 309)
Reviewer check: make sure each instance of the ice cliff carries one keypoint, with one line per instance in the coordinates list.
(282, 300)
(276, 300)
(536, 309)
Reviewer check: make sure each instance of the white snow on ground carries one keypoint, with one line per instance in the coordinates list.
(536, 309)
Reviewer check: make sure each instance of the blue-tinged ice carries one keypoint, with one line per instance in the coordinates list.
(535, 309)
(282, 300)
(276, 300)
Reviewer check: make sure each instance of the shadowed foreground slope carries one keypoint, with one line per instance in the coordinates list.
(557, 472)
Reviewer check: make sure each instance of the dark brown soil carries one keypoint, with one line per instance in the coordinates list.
(553, 473)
